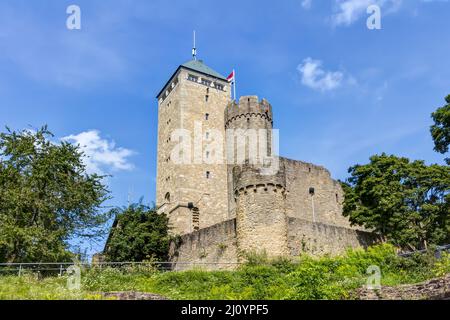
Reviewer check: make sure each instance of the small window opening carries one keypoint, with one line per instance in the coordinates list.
(206, 82)
(192, 78)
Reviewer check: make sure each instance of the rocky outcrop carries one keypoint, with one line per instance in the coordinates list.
(130, 295)
(435, 289)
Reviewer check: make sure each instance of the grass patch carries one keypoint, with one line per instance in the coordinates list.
(305, 278)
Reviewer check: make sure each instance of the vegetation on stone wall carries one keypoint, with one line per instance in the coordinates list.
(305, 278)
(46, 198)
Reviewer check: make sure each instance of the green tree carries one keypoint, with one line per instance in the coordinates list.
(440, 131)
(407, 203)
(46, 198)
(138, 233)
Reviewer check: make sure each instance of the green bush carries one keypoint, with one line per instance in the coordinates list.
(442, 267)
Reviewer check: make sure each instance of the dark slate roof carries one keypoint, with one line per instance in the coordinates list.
(200, 66)
(195, 65)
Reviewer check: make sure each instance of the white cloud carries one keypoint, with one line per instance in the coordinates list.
(101, 155)
(349, 11)
(314, 77)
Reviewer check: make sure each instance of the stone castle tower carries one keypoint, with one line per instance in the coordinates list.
(256, 199)
(224, 188)
(192, 189)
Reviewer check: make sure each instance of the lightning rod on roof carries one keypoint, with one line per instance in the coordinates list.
(194, 49)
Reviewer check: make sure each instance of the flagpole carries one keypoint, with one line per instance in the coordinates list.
(234, 84)
(232, 81)
(231, 91)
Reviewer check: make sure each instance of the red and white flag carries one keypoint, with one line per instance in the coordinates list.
(230, 78)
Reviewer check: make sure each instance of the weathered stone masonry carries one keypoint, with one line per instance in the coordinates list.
(260, 212)
(214, 247)
(224, 210)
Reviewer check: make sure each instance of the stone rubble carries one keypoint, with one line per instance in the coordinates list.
(435, 289)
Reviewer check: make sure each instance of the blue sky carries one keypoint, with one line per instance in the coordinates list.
(340, 91)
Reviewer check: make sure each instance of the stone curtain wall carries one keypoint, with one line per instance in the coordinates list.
(212, 248)
(320, 238)
(328, 193)
(216, 248)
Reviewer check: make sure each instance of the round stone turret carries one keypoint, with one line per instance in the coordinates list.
(249, 130)
(261, 221)
(249, 113)
(248, 127)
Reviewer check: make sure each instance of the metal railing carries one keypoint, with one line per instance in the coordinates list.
(60, 268)
(438, 251)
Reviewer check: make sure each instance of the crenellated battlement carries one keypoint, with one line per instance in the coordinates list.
(252, 177)
(247, 108)
(260, 188)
